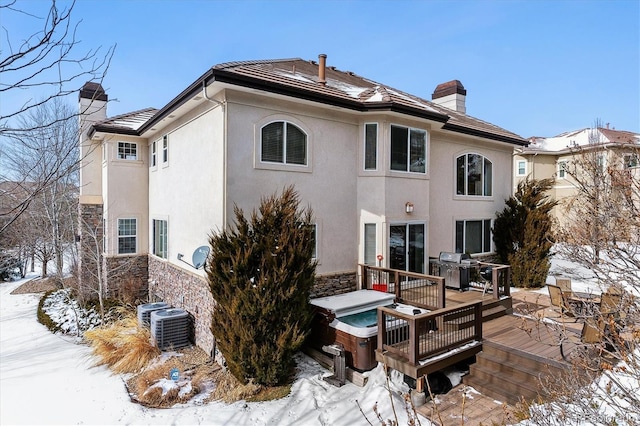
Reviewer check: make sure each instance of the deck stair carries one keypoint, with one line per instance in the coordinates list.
(507, 374)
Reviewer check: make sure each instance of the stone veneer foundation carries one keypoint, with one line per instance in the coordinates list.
(186, 290)
(91, 235)
(127, 277)
(190, 291)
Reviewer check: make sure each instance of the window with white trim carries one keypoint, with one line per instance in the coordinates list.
(127, 151)
(630, 161)
(601, 162)
(165, 149)
(474, 175)
(562, 169)
(160, 238)
(371, 146)
(154, 154)
(408, 149)
(473, 236)
(127, 235)
(370, 244)
(314, 241)
(283, 142)
(521, 168)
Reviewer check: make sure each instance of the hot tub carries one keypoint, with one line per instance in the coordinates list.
(351, 319)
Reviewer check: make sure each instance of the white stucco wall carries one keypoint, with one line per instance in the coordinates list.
(187, 191)
(327, 183)
(445, 206)
(125, 192)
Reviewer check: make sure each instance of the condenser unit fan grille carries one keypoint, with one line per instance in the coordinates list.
(170, 328)
(144, 312)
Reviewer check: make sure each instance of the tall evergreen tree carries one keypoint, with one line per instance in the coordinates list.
(523, 233)
(260, 275)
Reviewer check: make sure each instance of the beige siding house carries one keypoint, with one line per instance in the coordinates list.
(386, 173)
(613, 152)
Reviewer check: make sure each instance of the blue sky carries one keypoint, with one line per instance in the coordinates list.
(533, 67)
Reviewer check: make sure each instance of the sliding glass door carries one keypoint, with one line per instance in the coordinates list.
(406, 247)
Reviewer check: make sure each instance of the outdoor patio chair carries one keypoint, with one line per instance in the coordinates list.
(592, 334)
(610, 303)
(564, 284)
(592, 331)
(559, 300)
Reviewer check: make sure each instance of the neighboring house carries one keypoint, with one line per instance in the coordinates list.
(385, 172)
(609, 152)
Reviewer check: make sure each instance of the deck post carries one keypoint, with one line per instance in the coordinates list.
(364, 281)
(396, 280)
(413, 342)
(495, 283)
(420, 384)
(442, 294)
(478, 321)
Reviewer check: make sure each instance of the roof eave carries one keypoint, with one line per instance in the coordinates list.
(178, 101)
(488, 135)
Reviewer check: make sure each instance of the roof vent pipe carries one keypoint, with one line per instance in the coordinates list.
(322, 58)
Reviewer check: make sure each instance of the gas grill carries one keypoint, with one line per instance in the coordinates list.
(455, 268)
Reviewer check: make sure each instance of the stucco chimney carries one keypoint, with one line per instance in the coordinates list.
(92, 101)
(322, 59)
(452, 95)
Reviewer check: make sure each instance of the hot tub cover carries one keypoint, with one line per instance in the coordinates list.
(353, 302)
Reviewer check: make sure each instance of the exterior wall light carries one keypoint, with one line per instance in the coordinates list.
(408, 207)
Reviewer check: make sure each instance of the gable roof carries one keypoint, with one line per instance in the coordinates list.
(127, 124)
(299, 79)
(589, 137)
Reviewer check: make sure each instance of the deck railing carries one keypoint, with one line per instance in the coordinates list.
(500, 279)
(417, 337)
(423, 291)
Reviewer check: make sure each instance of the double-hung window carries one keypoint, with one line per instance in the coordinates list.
(408, 149)
(283, 142)
(371, 146)
(154, 154)
(630, 161)
(165, 149)
(127, 236)
(473, 236)
(521, 168)
(314, 241)
(370, 244)
(127, 151)
(562, 169)
(474, 175)
(160, 238)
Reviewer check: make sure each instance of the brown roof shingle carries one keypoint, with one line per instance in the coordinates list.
(298, 78)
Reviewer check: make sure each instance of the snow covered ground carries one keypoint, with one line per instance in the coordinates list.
(49, 379)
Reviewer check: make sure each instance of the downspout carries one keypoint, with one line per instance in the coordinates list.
(224, 145)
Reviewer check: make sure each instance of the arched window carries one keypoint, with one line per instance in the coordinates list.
(283, 142)
(474, 175)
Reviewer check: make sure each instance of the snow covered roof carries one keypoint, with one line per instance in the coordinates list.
(583, 137)
(348, 89)
(298, 78)
(128, 123)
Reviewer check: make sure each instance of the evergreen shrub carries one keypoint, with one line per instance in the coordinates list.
(261, 273)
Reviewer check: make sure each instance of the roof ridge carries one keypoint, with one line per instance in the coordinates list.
(253, 62)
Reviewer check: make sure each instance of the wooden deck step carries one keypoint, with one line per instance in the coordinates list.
(507, 374)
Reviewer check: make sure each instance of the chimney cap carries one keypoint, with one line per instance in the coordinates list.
(93, 91)
(449, 88)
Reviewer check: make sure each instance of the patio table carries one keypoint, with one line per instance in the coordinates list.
(584, 304)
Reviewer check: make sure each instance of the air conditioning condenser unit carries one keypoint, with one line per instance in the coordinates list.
(170, 328)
